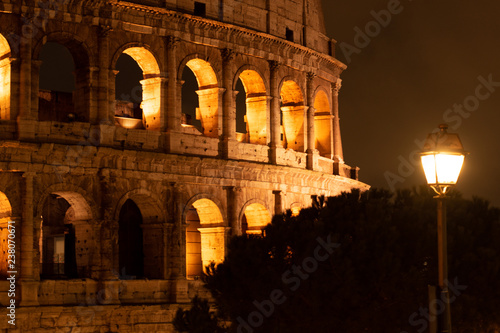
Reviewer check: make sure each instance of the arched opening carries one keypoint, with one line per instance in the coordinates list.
(5, 78)
(255, 218)
(207, 111)
(5, 216)
(66, 238)
(150, 84)
(242, 134)
(128, 92)
(64, 82)
(323, 125)
(141, 238)
(190, 103)
(57, 84)
(130, 238)
(292, 113)
(254, 110)
(205, 237)
(295, 208)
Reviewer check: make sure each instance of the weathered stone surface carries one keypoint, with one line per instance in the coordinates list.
(115, 216)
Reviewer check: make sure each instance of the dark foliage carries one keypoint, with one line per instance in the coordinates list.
(198, 319)
(373, 276)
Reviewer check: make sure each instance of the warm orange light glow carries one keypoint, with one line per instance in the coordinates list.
(129, 123)
(211, 236)
(5, 217)
(257, 217)
(323, 125)
(194, 266)
(151, 86)
(208, 95)
(442, 168)
(293, 115)
(4, 78)
(256, 106)
(295, 208)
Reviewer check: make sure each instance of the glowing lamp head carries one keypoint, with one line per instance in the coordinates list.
(442, 159)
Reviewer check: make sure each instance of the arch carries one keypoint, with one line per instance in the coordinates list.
(205, 235)
(323, 124)
(295, 208)
(292, 109)
(254, 217)
(5, 78)
(82, 210)
(151, 104)
(66, 241)
(76, 105)
(141, 244)
(147, 203)
(208, 212)
(78, 48)
(5, 214)
(5, 206)
(208, 94)
(256, 105)
(74, 195)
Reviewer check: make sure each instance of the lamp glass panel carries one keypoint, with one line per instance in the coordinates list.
(442, 168)
(448, 168)
(429, 165)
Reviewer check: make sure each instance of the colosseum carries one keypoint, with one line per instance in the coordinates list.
(137, 137)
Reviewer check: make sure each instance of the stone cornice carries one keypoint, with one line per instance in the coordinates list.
(271, 40)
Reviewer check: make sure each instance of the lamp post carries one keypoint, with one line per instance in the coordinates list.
(442, 159)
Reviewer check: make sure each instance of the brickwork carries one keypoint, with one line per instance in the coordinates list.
(118, 207)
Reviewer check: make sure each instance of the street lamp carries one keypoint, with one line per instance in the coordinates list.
(442, 159)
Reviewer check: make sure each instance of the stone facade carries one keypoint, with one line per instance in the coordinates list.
(115, 208)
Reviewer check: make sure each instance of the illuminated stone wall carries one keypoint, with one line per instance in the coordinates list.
(139, 200)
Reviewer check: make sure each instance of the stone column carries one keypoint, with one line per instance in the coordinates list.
(228, 106)
(83, 95)
(26, 124)
(337, 141)
(312, 152)
(105, 112)
(29, 288)
(35, 84)
(15, 70)
(109, 250)
(25, 80)
(275, 144)
(279, 202)
(27, 228)
(233, 204)
(177, 245)
(213, 245)
(172, 107)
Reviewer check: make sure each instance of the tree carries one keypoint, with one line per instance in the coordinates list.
(198, 319)
(361, 262)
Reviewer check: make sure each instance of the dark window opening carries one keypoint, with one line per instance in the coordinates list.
(241, 112)
(190, 101)
(128, 88)
(289, 35)
(200, 9)
(57, 85)
(130, 242)
(58, 240)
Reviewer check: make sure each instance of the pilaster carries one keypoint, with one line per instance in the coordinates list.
(337, 141)
(173, 113)
(276, 147)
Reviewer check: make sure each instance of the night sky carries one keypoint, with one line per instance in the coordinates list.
(429, 62)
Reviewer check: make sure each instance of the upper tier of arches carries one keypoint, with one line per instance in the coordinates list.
(241, 104)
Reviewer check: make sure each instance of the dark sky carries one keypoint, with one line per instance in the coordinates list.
(426, 64)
